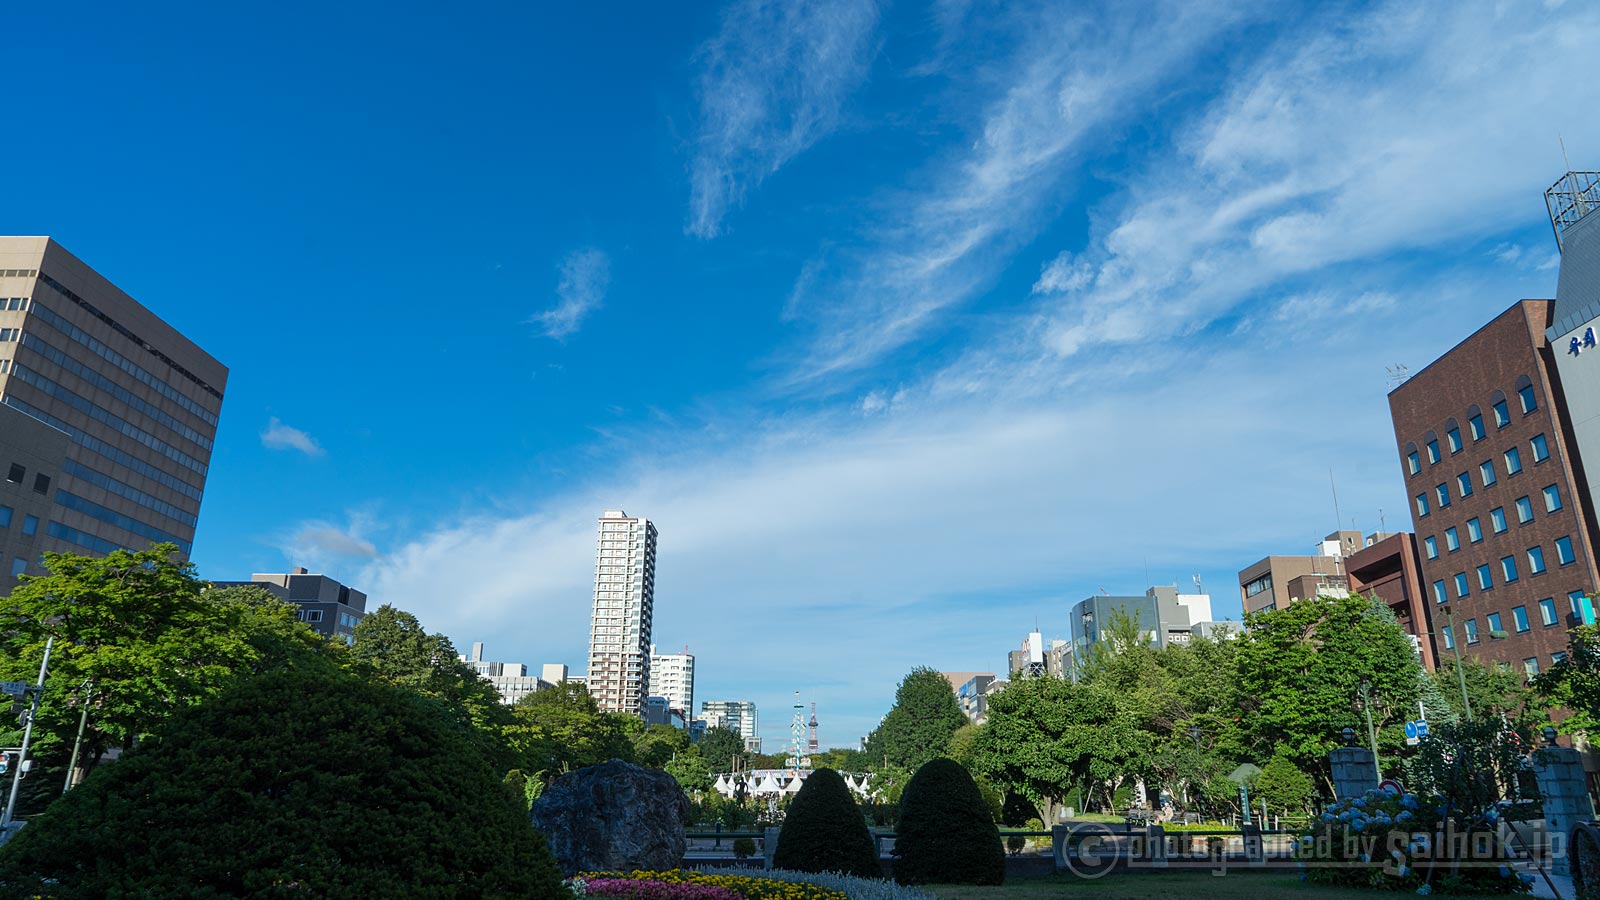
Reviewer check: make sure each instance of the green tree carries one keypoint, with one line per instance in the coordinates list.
(946, 833)
(656, 744)
(139, 637)
(1574, 682)
(824, 831)
(919, 726)
(1496, 691)
(562, 728)
(691, 770)
(720, 747)
(328, 784)
(1299, 670)
(1285, 788)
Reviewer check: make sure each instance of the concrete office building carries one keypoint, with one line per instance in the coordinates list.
(510, 679)
(1164, 616)
(555, 673)
(672, 677)
(137, 401)
(1277, 581)
(32, 455)
(624, 601)
(972, 695)
(738, 716)
(327, 606)
(1498, 508)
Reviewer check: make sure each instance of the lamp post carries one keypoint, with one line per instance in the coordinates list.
(1366, 707)
(1455, 645)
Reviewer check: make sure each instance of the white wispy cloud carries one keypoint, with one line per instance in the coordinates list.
(1075, 76)
(278, 436)
(772, 83)
(1408, 128)
(585, 276)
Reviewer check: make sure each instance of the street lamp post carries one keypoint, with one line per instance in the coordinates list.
(1455, 645)
(1372, 734)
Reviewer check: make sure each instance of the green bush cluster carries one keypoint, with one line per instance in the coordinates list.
(947, 834)
(824, 831)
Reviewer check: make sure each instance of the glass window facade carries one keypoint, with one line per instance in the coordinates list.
(1552, 498)
(1529, 404)
(1524, 510)
(1564, 553)
(1513, 461)
(1474, 530)
(1541, 448)
(1497, 518)
(1476, 425)
(1547, 611)
(1535, 560)
(1519, 617)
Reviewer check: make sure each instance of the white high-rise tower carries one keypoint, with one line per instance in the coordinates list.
(624, 599)
(672, 677)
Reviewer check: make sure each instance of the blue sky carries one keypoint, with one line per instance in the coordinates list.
(908, 324)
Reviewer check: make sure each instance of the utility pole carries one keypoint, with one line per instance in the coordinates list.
(1455, 645)
(84, 693)
(27, 737)
(1372, 734)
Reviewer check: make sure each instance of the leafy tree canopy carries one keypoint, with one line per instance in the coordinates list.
(1574, 682)
(919, 726)
(562, 729)
(720, 746)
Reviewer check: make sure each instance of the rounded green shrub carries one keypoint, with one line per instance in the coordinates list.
(316, 785)
(947, 834)
(825, 832)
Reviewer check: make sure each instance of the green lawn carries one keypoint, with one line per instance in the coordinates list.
(1139, 886)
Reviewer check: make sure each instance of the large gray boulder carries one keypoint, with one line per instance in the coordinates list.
(614, 817)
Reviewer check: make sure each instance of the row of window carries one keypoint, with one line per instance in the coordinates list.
(66, 292)
(1508, 570)
(1539, 446)
(1582, 611)
(30, 524)
(14, 303)
(101, 414)
(82, 538)
(95, 445)
(90, 343)
(1497, 520)
(8, 335)
(36, 344)
(18, 273)
(111, 516)
(128, 492)
(1502, 417)
(17, 473)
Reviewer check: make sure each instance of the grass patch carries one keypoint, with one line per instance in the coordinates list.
(1163, 886)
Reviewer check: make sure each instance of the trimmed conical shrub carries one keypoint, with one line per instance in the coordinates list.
(946, 834)
(825, 832)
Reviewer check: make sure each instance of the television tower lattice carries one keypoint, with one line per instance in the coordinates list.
(797, 760)
(811, 739)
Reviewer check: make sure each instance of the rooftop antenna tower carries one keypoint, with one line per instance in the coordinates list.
(1197, 588)
(1398, 373)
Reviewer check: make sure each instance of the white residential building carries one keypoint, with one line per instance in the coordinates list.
(624, 600)
(510, 679)
(672, 677)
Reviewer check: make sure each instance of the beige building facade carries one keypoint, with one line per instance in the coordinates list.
(136, 402)
(624, 604)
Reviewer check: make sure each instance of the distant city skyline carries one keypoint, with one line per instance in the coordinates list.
(911, 327)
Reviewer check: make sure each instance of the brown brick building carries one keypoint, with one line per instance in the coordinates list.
(1390, 568)
(1501, 531)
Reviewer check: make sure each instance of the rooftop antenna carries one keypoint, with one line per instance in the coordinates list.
(1564, 160)
(1381, 526)
(1197, 588)
(1397, 374)
(1337, 519)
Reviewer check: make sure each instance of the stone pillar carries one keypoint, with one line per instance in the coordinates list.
(1566, 798)
(769, 845)
(1353, 774)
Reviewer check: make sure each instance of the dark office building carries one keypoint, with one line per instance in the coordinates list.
(326, 605)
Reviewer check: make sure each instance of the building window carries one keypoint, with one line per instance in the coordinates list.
(1453, 440)
(1535, 560)
(1431, 545)
(1494, 626)
(1513, 461)
(1486, 472)
(1519, 615)
(1474, 530)
(30, 525)
(1528, 403)
(1452, 540)
(16, 474)
(1502, 415)
(41, 483)
(1552, 499)
(1438, 592)
(1422, 504)
(1564, 554)
(1531, 665)
(1413, 463)
(1485, 578)
(1558, 656)
(1582, 607)
(1547, 611)
(1524, 510)
(1475, 424)
(1461, 585)
(1541, 448)
(1508, 568)
(1449, 639)
(1443, 493)
(1433, 450)
(1464, 484)
(1471, 626)
(5, 517)
(18, 566)
(1497, 518)
(1264, 583)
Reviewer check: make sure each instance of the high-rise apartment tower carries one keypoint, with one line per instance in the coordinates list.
(624, 599)
(672, 677)
(135, 402)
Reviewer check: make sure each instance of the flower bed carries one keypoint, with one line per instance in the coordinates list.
(1402, 841)
(684, 885)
